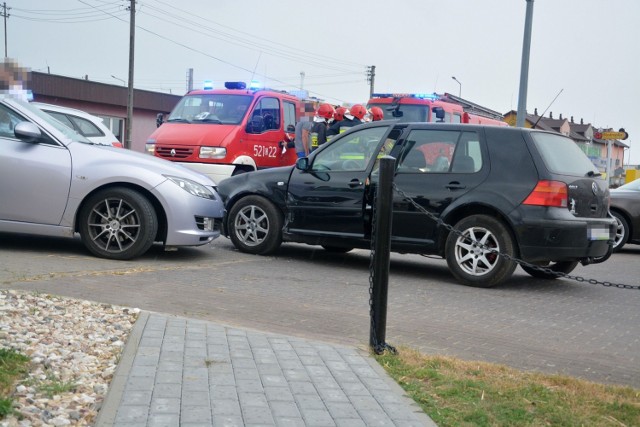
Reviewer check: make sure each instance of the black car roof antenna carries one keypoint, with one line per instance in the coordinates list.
(551, 103)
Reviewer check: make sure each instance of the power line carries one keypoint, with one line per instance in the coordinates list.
(313, 54)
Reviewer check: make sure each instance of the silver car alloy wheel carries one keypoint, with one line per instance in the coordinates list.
(114, 225)
(471, 256)
(251, 225)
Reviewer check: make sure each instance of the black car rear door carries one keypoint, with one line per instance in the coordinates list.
(436, 168)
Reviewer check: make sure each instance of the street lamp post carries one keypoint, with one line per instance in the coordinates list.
(117, 78)
(460, 89)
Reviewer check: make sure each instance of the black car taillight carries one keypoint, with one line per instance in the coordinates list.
(548, 193)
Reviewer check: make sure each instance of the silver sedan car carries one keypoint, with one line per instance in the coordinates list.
(55, 182)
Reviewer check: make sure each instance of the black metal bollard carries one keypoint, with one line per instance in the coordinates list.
(381, 246)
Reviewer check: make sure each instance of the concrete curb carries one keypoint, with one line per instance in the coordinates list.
(107, 414)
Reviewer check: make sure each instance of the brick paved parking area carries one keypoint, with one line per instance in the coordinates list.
(557, 326)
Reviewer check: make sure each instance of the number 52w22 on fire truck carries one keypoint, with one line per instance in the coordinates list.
(224, 132)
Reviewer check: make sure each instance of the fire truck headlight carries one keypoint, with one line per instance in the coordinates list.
(150, 147)
(213, 152)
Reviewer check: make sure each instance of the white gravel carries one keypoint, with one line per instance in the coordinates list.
(74, 348)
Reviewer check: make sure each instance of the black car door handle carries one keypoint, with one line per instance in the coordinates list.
(455, 185)
(355, 183)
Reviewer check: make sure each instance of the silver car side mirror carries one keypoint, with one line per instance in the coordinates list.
(27, 132)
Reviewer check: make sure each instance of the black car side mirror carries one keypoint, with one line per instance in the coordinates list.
(159, 119)
(302, 164)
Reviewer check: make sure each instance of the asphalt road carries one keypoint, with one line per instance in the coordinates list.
(560, 326)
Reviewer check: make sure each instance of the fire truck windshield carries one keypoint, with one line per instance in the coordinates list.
(403, 112)
(211, 108)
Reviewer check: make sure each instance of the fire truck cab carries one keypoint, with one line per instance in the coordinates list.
(224, 132)
(433, 108)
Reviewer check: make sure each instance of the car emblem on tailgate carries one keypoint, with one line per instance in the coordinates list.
(173, 152)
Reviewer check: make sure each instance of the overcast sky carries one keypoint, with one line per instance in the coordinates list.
(589, 50)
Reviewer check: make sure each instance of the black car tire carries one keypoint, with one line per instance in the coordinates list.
(255, 225)
(564, 267)
(336, 249)
(118, 223)
(469, 263)
(622, 231)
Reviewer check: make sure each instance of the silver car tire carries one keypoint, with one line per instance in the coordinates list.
(118, 223)
(255, 225)
(622, 231)
(469, 262)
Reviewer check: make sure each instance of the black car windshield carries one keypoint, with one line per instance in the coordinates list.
(211, 108)
(562, 155)
(631, 186)
(409, 112)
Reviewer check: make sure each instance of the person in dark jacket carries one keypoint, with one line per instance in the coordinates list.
(352, 117)
(323, 117)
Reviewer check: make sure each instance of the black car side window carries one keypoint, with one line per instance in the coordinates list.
(438, 151)
(352, 152)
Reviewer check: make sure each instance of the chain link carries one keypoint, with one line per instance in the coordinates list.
(508, 257)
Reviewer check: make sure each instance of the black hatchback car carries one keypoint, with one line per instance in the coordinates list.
(532, 195)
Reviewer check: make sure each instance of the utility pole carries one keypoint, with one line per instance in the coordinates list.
(524, 68)
(5, 14)
(371, 78)
(189, 80)
(301, 80)
(132, 37)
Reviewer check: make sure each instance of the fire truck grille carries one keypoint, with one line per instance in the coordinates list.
(174, 152)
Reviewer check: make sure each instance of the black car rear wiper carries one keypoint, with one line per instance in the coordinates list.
(179, 120)
(591, 174)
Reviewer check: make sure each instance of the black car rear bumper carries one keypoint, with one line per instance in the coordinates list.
(565, 240)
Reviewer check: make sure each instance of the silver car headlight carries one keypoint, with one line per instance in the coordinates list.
(192, 187)
(213, 152)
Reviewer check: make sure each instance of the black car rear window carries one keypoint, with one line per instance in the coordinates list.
(562, 155)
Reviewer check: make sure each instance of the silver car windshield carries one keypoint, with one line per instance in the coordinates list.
(59, 126)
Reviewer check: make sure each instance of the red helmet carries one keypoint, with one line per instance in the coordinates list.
(358, 111)
(326, 111)
(376, 113)
(339, 114)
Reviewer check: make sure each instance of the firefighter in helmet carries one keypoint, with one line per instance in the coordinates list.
(376, 114)
(352, 117)
(338, 116)
(324, 116)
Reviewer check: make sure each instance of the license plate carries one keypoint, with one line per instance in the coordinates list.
(598, 233)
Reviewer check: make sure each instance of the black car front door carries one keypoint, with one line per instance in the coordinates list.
(327, 199)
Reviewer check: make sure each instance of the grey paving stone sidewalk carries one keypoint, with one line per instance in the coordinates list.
(185, 372)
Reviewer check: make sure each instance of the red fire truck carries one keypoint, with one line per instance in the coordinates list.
(423, 107)
(224, 132)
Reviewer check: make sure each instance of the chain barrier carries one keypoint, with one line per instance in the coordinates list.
(508, 257)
